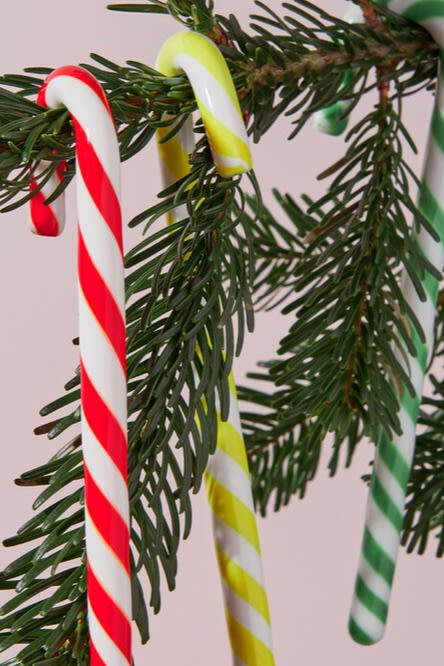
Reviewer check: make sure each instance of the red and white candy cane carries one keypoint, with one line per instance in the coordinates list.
(102, 354)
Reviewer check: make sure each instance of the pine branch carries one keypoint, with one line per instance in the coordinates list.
(336, 266)
(293, 70)
(339, 373)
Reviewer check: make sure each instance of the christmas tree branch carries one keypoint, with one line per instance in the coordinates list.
(298, 66)
(336, 265)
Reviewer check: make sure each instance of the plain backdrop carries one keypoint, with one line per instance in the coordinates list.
(310, 549)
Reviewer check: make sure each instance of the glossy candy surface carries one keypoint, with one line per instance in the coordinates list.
(227, 476)
(394, 456)
(102, 354)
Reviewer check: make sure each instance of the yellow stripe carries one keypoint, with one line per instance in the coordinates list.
(246, 646)
(204, 51)
(173, 155)
(243, 584)
(224, 142)
(232, 511)
(230, 441)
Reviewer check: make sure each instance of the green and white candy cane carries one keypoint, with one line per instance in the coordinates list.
(227, 475)
(334, 119)
(394, 455)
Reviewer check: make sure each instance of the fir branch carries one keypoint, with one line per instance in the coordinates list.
(339, 373)
(293, 70)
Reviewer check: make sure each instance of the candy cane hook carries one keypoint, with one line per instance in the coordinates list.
(394, 456)
(227, 476)
(102, 355)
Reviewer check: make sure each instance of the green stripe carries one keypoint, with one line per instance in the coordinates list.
(378, 558)
(358, 634)
(421, 11)
(371, 601)
(394, 460)
(410, 404)
(430, 208)
(386, 504)
(437, 127)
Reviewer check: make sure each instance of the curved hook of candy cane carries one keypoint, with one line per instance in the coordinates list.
(227, 476)
(102, 357)
(385, 507)
(334, 119)
(47, 219)
(216, 97)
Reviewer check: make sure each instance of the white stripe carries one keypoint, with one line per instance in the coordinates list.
(247, 616)
(434, 25)
(374, 581)
(107, 649)
(101, 363)
(432, 170)
(212, 94)
(227, 161)
(368, 622)
(234, 414)
(108, 570)
(238, 549)
(416, 375)
(382, 530)
(405, 443)
(231, 475)
(101, 244)
(390, 484)
(104, 472)
(86, 106)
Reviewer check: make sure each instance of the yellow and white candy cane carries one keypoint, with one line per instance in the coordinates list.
(227, 476)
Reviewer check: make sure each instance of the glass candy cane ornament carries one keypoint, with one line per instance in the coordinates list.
(227, 475)
(102, 354)
(394, 456)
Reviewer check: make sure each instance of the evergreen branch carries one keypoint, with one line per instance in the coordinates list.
(194, 14)
(337, 265)
(292, 71)
(339, 373)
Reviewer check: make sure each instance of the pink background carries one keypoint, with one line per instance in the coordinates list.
(310, 549)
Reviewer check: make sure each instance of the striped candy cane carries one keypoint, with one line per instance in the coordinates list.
(395, 453)
(102, 354)
(227, 476)
(334, 119)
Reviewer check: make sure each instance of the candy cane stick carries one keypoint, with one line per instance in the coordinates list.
(227, 476)
(102, 355)
(334, 119)
(395, 453)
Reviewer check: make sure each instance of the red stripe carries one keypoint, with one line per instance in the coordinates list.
(108, 521)
(101, 301)
(98, 183)
(94, 657)
(42, 216)
(112, 619)
(77, 73)
(104, 424)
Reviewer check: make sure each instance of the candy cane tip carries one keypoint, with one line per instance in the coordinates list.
(46, 220)
(326, 125)
(360, 636)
